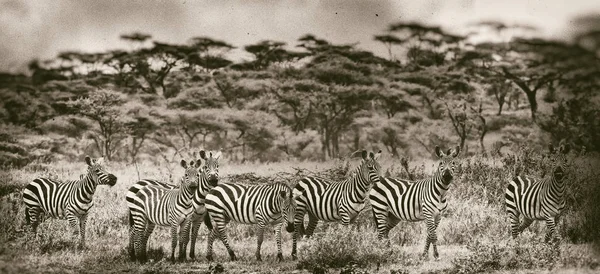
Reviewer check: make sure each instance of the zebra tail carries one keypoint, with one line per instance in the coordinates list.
(207, 222)
(27, 216)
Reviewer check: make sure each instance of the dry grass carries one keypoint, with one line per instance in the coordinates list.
(473, 229)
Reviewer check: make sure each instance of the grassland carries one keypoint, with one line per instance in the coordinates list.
(473, 234)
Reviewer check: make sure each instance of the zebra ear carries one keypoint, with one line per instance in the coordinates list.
(377, 155)
(203, 154)
(364, 154)
(194, 155)
(283, 194)
(455, 152)
(88, 160)
(198, 162)
(371, 155)
(551, 148)
(564, 149)
(438, 152)
(183, 163)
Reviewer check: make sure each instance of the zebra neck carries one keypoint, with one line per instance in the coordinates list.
(185, 196)
(86, 186)
(204, 186)
(359, 189)
(440, 186)
(557, 186)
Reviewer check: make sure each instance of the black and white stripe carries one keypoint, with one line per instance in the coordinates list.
(66, 199)
(394, 200)
(155, 205)
(538, 199)
(334, 201)
(258, 204)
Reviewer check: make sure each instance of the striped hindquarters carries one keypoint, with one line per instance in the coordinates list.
(131, 195)
(51, 196)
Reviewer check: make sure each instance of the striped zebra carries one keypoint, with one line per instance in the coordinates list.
(67, 199)
(538, 199)
(334, 201)
(155, 205)
(393, 200)
(258, 204)
(208, 177)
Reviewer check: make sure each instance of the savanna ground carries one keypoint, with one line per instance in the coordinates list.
(473, 235)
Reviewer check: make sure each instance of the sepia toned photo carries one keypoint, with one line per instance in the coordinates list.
(299, 136)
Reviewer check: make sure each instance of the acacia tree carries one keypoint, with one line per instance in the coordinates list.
(104, 108)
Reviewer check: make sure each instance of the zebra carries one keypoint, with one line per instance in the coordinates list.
(538, 199)
(66, 199)
(256, 204)
(334, 201)
(208, 175)
(155, 205)
(208, 178)
(393, 200)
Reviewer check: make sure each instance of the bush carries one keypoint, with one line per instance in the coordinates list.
(340, 247)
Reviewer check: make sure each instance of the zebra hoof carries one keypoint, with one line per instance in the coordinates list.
(209, 258)
(279, 257)
(294, 257)
(258, 258)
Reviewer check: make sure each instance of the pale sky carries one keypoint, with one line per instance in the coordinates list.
(42, 28)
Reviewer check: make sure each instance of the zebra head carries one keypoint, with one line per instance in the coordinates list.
(211, 166)
(190, 177)
(288, 207)
(446, 168)
(369, 167)
(98, 173)
(558, 160)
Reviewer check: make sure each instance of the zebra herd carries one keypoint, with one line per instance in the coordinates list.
(200, 197)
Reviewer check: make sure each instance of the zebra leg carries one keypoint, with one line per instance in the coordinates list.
(514, 225)
(432, 223)
(209, 244)
(312, 225)
(298, 226)
(174, 238)
(381, 223)
(392, 222)
(259, 240)
(34, 218)
(74, 223)
(196, 223)
(221, 233)
(184, 237)
(82, 221)
(436, 255)
(145, 234)
(278, 239)
(524, 225)
(551, 234)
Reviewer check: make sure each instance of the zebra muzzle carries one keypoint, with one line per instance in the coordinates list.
(289, 227)
(112, 180)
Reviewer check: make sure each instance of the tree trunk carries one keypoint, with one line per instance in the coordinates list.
(532, 103)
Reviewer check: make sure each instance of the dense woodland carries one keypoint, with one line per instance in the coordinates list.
(311, 100)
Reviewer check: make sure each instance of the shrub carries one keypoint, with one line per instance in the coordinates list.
(340, 247)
